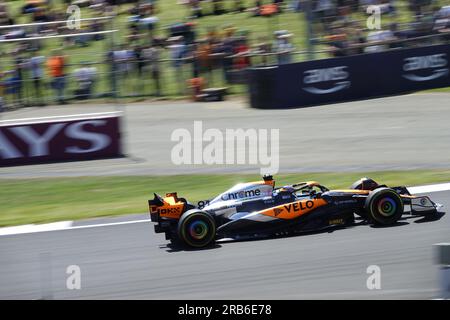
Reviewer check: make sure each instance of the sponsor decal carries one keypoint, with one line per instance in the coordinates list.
(241, 194)
(341, 202)
(277, 211)
(202, 203)
(336, 221)
(434, 65)
(299, 206)
(175, 210)
(335, 78)
(59, 141)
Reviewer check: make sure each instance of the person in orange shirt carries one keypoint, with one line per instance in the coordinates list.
(56, 64)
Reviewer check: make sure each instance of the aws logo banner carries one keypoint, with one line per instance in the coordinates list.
(426, 67)
(83, 139)
(326, 80)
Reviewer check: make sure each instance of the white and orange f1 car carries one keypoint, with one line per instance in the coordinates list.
(258, 209)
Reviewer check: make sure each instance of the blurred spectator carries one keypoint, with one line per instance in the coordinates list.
(56, 66)
(296, 5)
(122, 60)
(379, 36)
(151, 55)
(177, 50)
(257, 8)
(2, 91)
(5, 18)
(241, 51)
(203, 52)
(134, 35)
(396, 35)
(19, 65)
(338, 41)
(40, 14)
(228, 44)
(195, 9)
(35, 65)
(263, 48)
(85, 77)
(356, 39)
(442, 22)
(283, 47)
(12, 86)
(218, 8)
(422, 25)
(238, 6)
(324, 10)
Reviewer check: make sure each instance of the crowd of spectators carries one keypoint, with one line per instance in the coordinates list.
(144, 53)
(347, 36)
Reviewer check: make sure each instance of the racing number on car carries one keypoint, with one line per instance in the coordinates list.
(202, 203)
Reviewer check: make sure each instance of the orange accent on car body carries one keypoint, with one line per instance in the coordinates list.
(294, 209)
(269, 182)
(171, 208)
(407, 196)
(354, 191)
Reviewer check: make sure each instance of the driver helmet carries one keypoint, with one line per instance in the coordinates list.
(287, 189)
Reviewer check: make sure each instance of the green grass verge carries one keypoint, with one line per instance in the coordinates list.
(27, 201)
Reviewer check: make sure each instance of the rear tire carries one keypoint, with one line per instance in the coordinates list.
(196, 229)
(384, 206)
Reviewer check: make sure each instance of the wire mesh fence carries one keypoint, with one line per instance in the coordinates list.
(98, 66)
(110, 75)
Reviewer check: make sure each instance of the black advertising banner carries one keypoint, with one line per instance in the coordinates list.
(59, 140)
(350, 78)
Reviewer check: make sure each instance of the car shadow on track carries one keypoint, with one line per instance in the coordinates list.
(435, 217)
(173, 248)
(404, 220)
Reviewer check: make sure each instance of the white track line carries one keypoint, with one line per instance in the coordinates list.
(68, 225)
(32, 228)
(59, 226)
(430, 188)
(109, 224)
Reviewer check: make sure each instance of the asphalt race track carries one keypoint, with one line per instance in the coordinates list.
(129, 261)
(395, 133)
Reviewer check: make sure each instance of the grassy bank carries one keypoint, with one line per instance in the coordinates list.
(46, 200)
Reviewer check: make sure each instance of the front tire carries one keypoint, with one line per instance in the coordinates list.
(384, 206)
(196, 229)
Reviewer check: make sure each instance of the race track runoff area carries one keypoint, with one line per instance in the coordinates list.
(128, 260)
(395, 133)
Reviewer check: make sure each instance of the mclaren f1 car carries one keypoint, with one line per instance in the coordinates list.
(258, 209)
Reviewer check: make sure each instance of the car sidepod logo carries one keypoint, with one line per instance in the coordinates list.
(277, 211)
(334, 79)
(433, 65)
